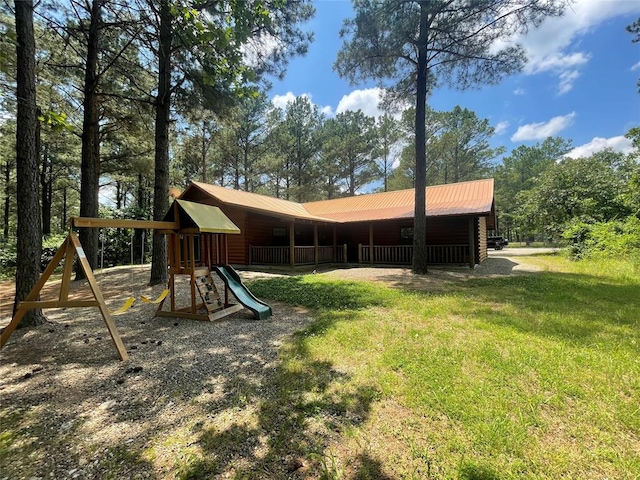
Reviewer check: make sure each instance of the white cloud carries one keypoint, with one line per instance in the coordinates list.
(519, 91)
(281, 101)
(635, 67)
(566, 81)
(557, 61)
(501, 127)
(542, 130)
(547, 46)
(367, 100)
(617, 144)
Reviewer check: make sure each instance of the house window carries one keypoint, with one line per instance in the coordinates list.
(406, 233)
(279, 231)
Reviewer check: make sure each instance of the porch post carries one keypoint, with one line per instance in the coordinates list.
(472, 243)
(335, 243)
(315, 243)
(292, 240)
(371, 243)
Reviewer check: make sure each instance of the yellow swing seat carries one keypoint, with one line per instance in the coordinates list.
(161, 297)
(126, 306)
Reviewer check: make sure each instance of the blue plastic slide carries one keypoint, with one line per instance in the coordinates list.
(232, 280)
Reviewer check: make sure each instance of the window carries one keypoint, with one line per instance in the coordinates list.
(406, 233)
(279, 231)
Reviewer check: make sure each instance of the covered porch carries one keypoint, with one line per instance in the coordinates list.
(382, 243)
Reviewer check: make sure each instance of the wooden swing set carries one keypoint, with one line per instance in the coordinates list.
(197, 243)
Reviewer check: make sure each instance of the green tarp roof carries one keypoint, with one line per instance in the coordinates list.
(206, 218)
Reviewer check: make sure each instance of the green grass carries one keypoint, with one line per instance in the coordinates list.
(532, 376)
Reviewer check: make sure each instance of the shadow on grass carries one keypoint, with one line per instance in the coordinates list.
(319, 294)
(573, 307)
(303, 404)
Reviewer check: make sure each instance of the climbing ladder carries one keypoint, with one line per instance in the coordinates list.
(209, 293)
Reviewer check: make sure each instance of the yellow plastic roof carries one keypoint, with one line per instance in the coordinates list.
(206, 218)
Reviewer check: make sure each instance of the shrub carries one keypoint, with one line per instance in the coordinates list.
(614, 239)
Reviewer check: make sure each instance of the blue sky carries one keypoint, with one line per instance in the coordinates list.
(579, 83)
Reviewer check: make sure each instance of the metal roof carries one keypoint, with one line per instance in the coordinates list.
(464, 198)
(259, 203)
(205, 218)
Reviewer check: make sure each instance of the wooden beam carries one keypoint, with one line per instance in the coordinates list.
(95, 289)
(90, 222)
(65, 286)
(223, 313)
(35, 291)
(472, 243)
(335, 244)
(58, 304)
(371, 243)
(292, 244)
(315, 243)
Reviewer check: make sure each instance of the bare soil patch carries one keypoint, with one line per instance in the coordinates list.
(69, 408)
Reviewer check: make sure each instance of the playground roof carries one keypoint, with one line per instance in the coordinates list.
(464, 198)
(205, 218)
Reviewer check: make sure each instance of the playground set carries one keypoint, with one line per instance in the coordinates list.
(197, 248)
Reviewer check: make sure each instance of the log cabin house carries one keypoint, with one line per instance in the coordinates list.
(375, 228)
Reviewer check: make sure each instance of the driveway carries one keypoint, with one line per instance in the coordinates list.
(520, 251)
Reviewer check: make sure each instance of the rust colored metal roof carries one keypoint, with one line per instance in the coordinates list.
(465, 198)
(258, 203)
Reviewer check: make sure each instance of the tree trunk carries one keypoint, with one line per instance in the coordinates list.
(45, 184)
(63, 220)
(29, 243)
(90, 164)
(163, 112)
(7, 199)
(420, 219)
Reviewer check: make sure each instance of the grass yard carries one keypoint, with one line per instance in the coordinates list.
(531, 375)
(526, 376)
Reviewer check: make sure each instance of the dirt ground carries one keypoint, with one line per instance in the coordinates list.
(120, 282)
(69, 405)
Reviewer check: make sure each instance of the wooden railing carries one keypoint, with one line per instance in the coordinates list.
(268, 255)
(302, 255)
(402, 254)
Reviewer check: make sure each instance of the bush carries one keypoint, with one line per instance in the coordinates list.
(614, 239)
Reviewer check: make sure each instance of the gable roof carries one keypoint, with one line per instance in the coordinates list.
(252, 201)
(464, 198)
(205, 218)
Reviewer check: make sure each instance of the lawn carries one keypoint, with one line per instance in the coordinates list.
(525, 376)
(520, 376)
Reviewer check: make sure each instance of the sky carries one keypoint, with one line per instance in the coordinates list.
(579, 83)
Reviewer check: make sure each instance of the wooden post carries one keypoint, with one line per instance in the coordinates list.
(335, 244)
(95, 289)
(359, 253)
(315, 243)
(371, 243)
(472, 243)
(344, 252)
(188, 237)
(292, 244)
